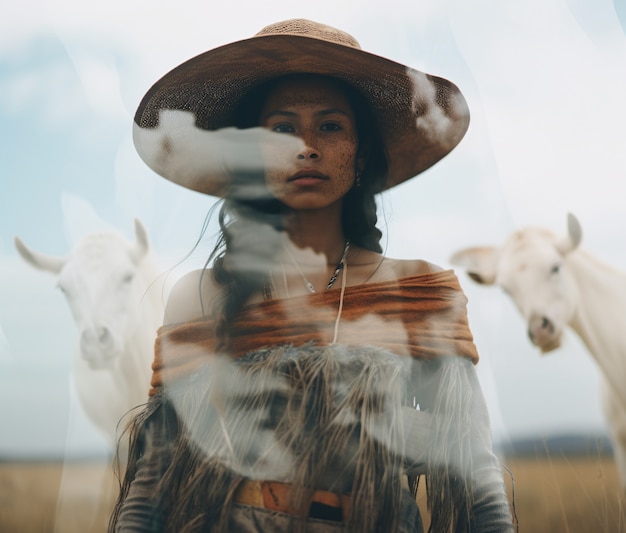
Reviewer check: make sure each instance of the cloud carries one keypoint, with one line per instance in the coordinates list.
(544, 91)
(552, 105)
(44, 81)
(42, 88)
(80, 218)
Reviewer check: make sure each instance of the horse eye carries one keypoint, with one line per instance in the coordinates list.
(127, 278)
(555, 269)
(64, 290)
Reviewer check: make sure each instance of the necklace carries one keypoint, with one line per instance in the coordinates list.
(342, 265)
(332, 279)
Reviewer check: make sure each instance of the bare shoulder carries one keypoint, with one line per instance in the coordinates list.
(371, 266)
(190, 297)
(412, 267)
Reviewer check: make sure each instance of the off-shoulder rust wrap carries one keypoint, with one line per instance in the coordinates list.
(423, 316)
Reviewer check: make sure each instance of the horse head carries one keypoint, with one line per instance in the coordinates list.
(531, 267)
(100, 281)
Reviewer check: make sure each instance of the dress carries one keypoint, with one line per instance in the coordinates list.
(396, 397)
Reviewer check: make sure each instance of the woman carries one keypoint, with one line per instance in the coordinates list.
(306, 382)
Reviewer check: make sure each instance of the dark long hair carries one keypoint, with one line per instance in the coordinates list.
(245, 221)
(241, 213)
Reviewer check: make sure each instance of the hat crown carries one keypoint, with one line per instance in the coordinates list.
(420, 117)
(313, 30)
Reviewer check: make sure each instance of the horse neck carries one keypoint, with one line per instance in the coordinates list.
(599, 317)
(151, 289)
(140, 343)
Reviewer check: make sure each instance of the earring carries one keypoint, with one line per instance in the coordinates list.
(357, 182)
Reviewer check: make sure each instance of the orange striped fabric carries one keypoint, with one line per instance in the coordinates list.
(423, 316)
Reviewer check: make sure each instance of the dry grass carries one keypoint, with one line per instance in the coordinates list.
(53, 497)
(552, 495)
(569, 495)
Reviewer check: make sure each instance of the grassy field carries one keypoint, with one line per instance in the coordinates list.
(552, 495)
(569, 495)
(41, 497)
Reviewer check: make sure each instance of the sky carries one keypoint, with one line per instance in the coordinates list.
(545, 82)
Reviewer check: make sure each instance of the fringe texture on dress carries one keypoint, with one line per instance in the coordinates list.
(318, 417)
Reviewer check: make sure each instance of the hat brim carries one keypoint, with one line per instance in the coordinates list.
(421, 117)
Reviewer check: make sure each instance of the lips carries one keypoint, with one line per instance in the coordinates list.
(304, 174)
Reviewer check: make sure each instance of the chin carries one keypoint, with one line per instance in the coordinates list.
(307, 204)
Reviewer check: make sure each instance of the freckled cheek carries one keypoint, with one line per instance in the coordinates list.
(277, 163)
(274, 157)
(345, 162)
(275, 182)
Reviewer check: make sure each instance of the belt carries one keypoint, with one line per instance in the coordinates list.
(277, 496)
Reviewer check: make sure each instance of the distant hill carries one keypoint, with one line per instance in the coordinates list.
(541, 446)
(588, 445)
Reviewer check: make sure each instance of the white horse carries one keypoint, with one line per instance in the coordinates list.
(555, 284)
(113, 290)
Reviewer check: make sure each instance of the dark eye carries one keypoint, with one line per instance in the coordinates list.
(555, 268)
(331, 126)
(128, 278)
(283, 128)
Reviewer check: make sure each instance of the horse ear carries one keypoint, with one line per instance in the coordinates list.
(479, 263)
(41, 261)
(142, 244)
(574, 235)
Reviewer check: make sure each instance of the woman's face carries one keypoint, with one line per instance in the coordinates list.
(321, 169)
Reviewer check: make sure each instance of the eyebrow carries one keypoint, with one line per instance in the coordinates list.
(322, 113)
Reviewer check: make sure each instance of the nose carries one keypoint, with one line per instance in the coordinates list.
(543, 332)
(308, 153)
(95, 342)
(308, 150)
(99, 336)
(539, 327)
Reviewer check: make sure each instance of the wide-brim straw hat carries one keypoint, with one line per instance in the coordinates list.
(421, 117)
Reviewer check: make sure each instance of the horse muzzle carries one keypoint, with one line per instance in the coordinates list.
(543, 333)
(98, 347)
